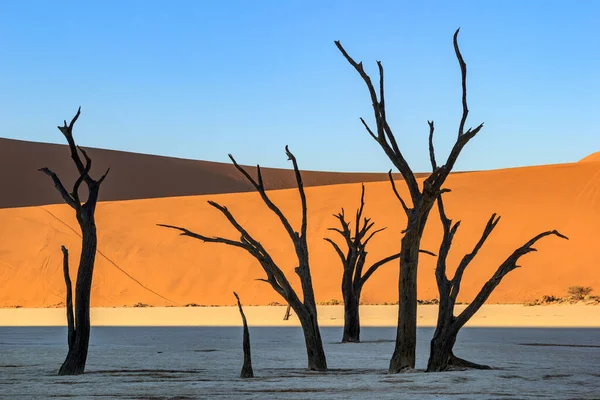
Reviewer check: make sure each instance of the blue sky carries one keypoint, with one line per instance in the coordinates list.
(200, 79)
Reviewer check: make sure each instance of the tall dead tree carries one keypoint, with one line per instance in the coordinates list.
(305, 309)
(353, 262)
(441, 357)
(79, 323)
(247, 371)
(422, 200)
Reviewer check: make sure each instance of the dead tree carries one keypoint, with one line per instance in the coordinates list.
(305, 309)
(288, 313)
(422, 202)
(353, 262)
(441, 356)
(247, 371)
(79, 323)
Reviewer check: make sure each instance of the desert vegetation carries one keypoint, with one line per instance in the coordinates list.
(575, 295)
(579, 292)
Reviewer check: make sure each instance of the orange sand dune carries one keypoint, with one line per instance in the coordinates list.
(594, 157)
(140, 262)
(136, 176)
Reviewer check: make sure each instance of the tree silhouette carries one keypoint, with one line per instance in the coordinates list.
(422, 200)
(79, 322)
(305, 309)
(353, 262)
(441, 356)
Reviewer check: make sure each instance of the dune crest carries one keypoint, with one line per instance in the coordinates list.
(139, 176)
(594, 157)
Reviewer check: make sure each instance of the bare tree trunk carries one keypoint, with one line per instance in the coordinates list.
(422, 201)
(74, 364)
(440, 352)
(351, 317)
(314, 344)
(404, 355)
(79, 323)
(247, 371)
(442, 358)
(288, 313)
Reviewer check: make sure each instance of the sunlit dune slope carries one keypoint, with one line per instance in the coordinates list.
(594, 157)
(140, 262)
(136, 176)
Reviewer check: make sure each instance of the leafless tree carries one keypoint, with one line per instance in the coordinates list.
(422, 202)
(305, 309)
(353, 262)
(247, 371)
(288, 313)
(79, 323)
(441, 356)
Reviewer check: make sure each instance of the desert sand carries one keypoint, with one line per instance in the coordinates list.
(490, 316)
(140, 262)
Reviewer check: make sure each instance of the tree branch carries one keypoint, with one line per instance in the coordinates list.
(376, 266)
(292, 158)
(384, 132)
(429, 253)
(61, 189)
(360, 209)
(463, 73)
(67, 131)
(463, 137)
(466, 260)
(345, 231)
(371, 235)
(507, 266)
(187, 232)
(338, 251)
(103, 177)
(404, 206)
(431, 147)
(261, 190)
(86, 171)
(369, 130)
(449, 232)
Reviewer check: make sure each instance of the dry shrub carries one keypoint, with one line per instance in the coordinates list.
(579, 292)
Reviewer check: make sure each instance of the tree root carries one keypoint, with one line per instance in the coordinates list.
(459, 363)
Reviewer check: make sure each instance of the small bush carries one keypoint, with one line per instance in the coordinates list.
(549, 299)
(332, 302)
(428, 302)
(579, 292)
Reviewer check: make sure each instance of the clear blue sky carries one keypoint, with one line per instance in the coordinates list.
(200, 79)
